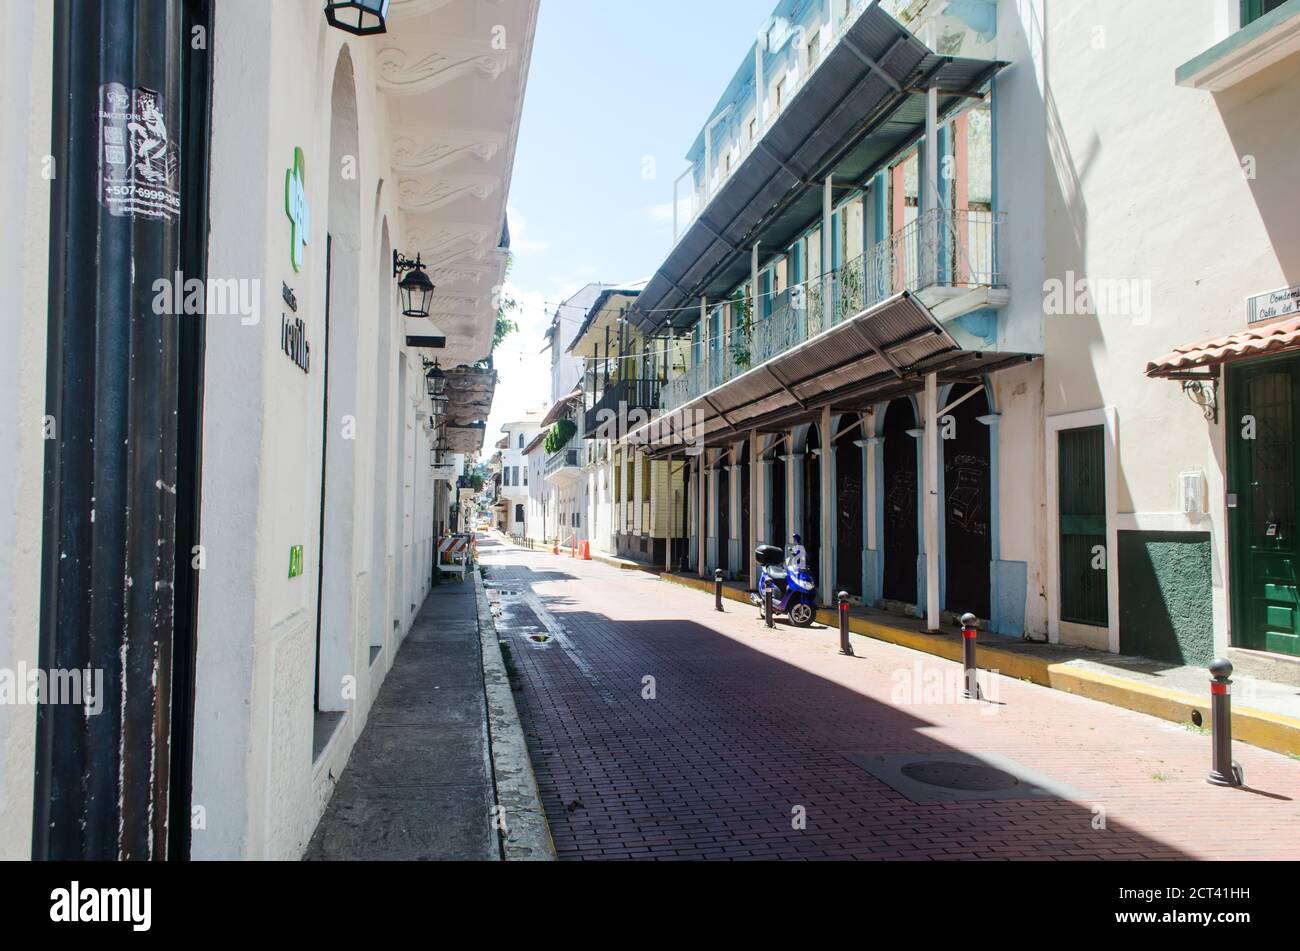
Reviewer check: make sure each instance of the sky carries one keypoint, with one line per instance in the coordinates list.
(617, 92)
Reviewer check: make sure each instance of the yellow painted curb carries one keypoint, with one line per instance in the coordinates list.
(1270, 731)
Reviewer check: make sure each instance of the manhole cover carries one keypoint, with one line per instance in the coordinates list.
(968, 777)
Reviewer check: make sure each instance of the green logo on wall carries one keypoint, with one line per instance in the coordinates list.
(295, 206)
(295, 561)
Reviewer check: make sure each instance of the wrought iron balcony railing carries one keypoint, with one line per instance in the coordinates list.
(940, 249)
(569, 458)
(619, 398)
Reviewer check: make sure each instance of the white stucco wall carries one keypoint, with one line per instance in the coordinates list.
(1147, 184)
(253, 773)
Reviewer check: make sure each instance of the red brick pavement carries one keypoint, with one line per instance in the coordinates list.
(747, 725)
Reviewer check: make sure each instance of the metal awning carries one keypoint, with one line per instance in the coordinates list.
(1281, 337)
(879, 354)
(862, 105)
(560, 408)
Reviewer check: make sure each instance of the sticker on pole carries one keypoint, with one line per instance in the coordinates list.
(139, 164)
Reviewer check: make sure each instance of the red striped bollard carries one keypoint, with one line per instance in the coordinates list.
(845, 647)
(1225, 771)
(968, 635)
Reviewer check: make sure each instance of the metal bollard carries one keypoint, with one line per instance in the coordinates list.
(767, 607)
(1225, 772)
(717, 589)
(845, 647)
(968, 635)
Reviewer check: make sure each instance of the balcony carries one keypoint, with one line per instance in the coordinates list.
(949, 259)
(565, 466)
(617, 400)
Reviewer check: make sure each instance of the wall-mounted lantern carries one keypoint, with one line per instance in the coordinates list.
(436, 379)
(417, 290)
(358, 17)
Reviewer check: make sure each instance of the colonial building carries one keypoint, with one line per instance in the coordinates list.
(636, 504)
(255, 279)
(854, 333)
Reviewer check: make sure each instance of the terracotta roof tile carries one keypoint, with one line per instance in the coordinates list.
(1255, 342)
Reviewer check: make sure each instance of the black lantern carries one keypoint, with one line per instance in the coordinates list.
(358, 17)
(437, 380)
(416, 288)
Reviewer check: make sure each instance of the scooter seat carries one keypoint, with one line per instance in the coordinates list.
(776, 574)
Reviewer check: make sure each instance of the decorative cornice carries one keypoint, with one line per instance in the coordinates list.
(402, 73)
(425, 195)
(420, 153)
(438, 239)
(405, 9)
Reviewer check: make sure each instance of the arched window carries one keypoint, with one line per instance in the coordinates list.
(521, 440)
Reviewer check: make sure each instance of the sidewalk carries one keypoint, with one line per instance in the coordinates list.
(1265, 713)
(442, 755)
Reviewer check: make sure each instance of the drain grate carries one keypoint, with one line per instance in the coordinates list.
(962, 777)
(967, 777)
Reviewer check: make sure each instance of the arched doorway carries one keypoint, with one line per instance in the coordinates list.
(341, 262)
(848, 507)
(777, 499)
(723, 482)
(899, 542)
(967, 510)
(812, 504)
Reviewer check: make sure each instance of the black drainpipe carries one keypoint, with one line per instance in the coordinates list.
(114, 385)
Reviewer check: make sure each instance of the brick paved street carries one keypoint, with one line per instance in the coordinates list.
(748, 730)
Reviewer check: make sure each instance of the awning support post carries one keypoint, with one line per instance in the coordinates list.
(828, 213)
(701, 543)
(705, 346)
(931, 502)
(757, 495)
(930, 268)
(827, 586)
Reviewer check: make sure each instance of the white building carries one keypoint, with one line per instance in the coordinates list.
(275, 507)
(514, 472)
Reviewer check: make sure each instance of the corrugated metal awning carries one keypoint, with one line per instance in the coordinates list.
(560, 408)
(880, 353)
(864, 102)
(1280, 337)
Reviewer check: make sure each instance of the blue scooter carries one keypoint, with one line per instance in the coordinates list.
(792, 586)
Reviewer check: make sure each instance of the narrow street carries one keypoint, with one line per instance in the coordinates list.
(743, 733)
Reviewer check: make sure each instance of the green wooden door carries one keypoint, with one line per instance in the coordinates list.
(1081, 474)
(1262, 482)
